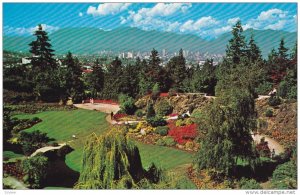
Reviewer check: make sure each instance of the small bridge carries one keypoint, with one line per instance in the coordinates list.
(47, 148)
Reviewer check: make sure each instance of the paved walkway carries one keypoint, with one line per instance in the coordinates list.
(271, 143)
(47, 148)
(107, 108)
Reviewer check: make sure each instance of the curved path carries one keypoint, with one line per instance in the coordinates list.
(107, 108)
(47, 148)
(271, 143)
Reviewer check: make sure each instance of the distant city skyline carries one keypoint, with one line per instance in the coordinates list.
(206, 20)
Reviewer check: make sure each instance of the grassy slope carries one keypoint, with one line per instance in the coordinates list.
(61, 125)
(164, 157)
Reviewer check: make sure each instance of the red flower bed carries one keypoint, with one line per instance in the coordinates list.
(173, 114)
(184, 133)
(102, 101)
(119, 116)
(163, 94)
(13, 169)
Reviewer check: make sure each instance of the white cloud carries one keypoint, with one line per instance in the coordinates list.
(28, 31)
(271, 14)
(164, 9)
(201, 24)
(233, 21)
(80, 14)
(152, 18)
(277, 26)
(274, 19)
(107, 9)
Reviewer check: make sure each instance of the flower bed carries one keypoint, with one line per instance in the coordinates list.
(182, 134)
(119, 116)
(103, 102)
(173, 115)
(13, 169)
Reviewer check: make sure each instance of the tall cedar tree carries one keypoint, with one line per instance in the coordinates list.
(113, 79)
(204, 79)
(44, 68)
(42, 54)
(236, 49)
(155, 72)
(228, 122)
(96, 79)
(145, 85)
(254, 53)
(176, 71)
(74, 84)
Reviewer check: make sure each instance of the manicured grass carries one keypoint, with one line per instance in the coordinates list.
(61, 125)
(164, 157)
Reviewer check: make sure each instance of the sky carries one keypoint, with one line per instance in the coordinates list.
(206, 20)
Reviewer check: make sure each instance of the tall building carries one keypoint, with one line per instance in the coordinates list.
(164, 53)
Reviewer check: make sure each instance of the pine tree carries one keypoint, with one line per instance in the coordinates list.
(176, 71)
(227, 125)
(42, 54)
(204, 80)
(96, 79)
(73, 82)
(237, 45)
(44, 68)
(113, 79)
(254, 53)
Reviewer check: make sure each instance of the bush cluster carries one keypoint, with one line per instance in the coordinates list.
(269, 113)
(162, 130)
(127, 104)
(274, 101)
(163, 108)
(156, 121)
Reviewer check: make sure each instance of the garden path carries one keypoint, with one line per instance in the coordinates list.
(47, 148)
(271, 143)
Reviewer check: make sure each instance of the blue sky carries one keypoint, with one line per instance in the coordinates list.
(207, 20)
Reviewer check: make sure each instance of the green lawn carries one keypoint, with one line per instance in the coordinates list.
(61, 125)
(164, 157)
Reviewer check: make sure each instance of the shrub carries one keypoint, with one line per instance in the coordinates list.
(35, 169)
(169, 141)
(269, 113)
(172, 92)
(156, 121)
(161, 142)
(179, 123)
(285, 176)
(163, 108)
(139, 113)
(264, 88)
(189, 145)
(274, 101)
(150, 110)
(249, 184)
(182, 134)
(283, 89)
(127, 104)
(155, 91)
(292, 94)
(263, 148)
(162, 130)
